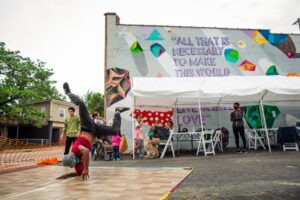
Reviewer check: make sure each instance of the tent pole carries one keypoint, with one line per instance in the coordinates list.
(133, 128)
(220, 122)
(219, 113)
(200, 113)
(265, 124)
(175, 115)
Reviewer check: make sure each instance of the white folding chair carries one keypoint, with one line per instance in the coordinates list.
(253, 137)
(290, 146)
(168, 144)
(217, 140)
(209, 149)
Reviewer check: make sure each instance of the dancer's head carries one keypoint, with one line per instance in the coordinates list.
(69, 160)
(71, 111)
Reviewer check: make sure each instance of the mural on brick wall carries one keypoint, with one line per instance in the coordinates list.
(150, 51)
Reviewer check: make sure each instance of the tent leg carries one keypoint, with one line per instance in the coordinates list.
(200, 113)
(202, 129)
(219, 111)
(265, 124)
(133, 128)
(174, 108)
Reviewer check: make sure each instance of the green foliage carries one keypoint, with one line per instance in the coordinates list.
(94, 102)
(23, 82)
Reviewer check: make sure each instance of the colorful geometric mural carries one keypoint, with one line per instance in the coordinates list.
(282, 41)
(294, 74)
(155, 35)
(231, 55)
(272, 71)
(247, 66)
(253, 117)
(136, 48)
(241, 44)
(169, 30)
(258, 38)
(157, 50)
(117, 85)
(182, 51)
(288, 47)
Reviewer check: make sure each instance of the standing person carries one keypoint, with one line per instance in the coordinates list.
(116, 140)
(138, 138)
(97, 120)
(238, 126)
(71, 129)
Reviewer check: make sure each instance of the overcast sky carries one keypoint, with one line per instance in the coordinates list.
(69, 34)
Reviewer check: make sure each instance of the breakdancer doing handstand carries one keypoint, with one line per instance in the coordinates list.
(80, 152)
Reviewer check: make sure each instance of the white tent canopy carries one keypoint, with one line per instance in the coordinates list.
(172, 91)
(248, 89)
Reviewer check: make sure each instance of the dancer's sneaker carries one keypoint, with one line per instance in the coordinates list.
(238, 151)
(121, 109)
(245, 151)
(66, 88)
(74, 98)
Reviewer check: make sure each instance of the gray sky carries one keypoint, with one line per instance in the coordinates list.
(69, 34)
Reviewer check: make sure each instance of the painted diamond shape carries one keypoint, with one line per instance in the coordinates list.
(247, 66)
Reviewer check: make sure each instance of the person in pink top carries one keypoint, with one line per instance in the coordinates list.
(116, 140)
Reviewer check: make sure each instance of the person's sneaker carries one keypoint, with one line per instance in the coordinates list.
(238, 151)
(118, 159)
(66, 88)
(121, 109)
(245, 151)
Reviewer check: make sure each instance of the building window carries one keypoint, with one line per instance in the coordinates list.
(43, 109)
(62, 113)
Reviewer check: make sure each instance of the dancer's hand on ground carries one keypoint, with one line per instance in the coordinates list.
(85, 175)
(69, 175)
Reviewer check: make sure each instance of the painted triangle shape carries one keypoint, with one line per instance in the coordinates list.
(155, 35)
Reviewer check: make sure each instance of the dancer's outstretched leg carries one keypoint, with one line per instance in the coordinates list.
(116, 125)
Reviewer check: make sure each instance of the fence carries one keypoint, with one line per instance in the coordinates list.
(17, 154)
(35, 141)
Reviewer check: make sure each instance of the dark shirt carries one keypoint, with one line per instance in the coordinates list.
(163, 133)
(237, 118)
(117, 121)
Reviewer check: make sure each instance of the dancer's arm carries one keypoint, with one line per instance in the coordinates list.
(86, 159)
(68, 175)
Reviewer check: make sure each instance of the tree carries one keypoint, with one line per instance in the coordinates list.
(22, 83)
(94, 102)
